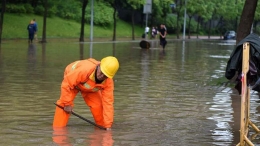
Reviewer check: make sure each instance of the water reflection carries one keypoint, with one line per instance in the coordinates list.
(154, 44)
(43, 54)
(162, 54)
(1, 64)
(100, 138)
(64, 136)
(226, 107)
(221, 106)
(114, 48)
(145, 71)
(60, 136)
(81, 51)
(0, 52)
(183, 54)
(162, 97)
(32, 53)
(90, 49)
(32, 59)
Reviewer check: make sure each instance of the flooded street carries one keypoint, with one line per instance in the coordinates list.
(162, 98)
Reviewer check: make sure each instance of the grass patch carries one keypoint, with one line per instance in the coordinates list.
(15, 27)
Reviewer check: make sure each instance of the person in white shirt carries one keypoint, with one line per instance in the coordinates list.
(147, 29)
(146, 32)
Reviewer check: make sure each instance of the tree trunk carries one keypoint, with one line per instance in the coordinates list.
(133, 24)
(198, 24)
(43, 54)
(114, 17)
(44, 21)
(2, 18)
(246, 19)
(209, 33)
(81, 51)
(236, 23)
(189, 27)
(177, 27)
(84, 5)
(222, 29)
(219, 27)
(236, 17)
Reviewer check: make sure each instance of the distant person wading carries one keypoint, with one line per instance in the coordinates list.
(31, 31)
(36, 29)
(163, 33)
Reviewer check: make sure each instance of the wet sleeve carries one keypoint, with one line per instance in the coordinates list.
(108, 103)
(69, 83)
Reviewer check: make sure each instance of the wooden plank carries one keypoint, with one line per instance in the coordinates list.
(244, 93)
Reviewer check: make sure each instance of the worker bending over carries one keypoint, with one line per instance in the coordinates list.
(94, 80)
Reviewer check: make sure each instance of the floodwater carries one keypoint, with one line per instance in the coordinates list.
(162, 98)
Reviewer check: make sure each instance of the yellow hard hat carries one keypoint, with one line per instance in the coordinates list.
(109, 66)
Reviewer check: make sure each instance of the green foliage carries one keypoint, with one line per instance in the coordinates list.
(161, 11)
(193, 25)
(15, 8)
(68, 9)
(52, 11)
(39, 10)
(202, 8)
(103, 14)
(202, 32)
(171, 21)
(135, 4)
(28, 8)
(257, 12)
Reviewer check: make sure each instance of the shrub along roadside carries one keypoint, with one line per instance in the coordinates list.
(15, 27)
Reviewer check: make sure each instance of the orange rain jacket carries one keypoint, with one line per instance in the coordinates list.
(80, 76)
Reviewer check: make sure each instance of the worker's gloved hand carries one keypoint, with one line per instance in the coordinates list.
(68, 109)
(108, 129)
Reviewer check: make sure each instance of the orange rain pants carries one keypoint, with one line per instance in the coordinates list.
(79, 76)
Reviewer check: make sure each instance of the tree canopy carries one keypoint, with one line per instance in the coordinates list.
(212, 17)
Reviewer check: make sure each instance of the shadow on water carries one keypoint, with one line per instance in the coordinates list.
(162, 97)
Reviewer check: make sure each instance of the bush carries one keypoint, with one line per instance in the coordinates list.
(28, 8)
(39, 10)
(68, 9)
(52, 11)
(103, 14)
(15, 8)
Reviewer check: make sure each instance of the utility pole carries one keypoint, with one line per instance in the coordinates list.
(147, 10)
(91, 21)
(184, 23)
